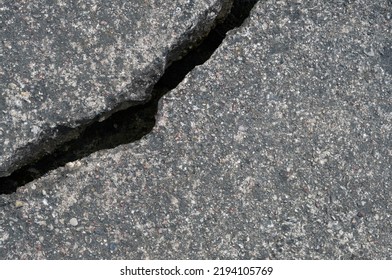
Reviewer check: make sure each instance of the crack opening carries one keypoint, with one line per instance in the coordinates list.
(131, 124)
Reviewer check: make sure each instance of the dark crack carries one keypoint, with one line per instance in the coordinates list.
(133, 123)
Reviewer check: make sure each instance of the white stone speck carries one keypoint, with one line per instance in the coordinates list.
(73, 165)
(73, 222)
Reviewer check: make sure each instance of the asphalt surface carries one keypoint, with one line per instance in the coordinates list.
(67, 65)
(278, 147)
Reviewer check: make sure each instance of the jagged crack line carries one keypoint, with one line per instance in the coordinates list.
(128, 125)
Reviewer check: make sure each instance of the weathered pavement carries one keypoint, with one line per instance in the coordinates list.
(64, 65)
(278, 147)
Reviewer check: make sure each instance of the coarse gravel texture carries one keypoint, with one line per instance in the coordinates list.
(65, 64)
(278, 147)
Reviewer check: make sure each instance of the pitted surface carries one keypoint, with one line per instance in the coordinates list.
(278, 147)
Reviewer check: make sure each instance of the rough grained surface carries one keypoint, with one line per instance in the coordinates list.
(278, 147)
(65, 63)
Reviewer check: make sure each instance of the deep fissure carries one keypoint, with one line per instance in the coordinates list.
(128, 125)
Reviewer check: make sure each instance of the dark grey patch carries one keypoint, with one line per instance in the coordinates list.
(344, 2)
(386, 59)
(2, 103)
(283, 175)
(258, 192)
(295, 15)
(286, 228)
(279, 48)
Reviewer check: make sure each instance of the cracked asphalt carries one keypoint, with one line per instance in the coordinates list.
(278, 147)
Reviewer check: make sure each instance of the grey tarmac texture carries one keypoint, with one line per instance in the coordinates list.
(65, 64)
(278, 147)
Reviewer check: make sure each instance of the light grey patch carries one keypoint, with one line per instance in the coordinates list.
(386, 59)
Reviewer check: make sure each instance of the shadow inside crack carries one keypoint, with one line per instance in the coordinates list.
(128, 125)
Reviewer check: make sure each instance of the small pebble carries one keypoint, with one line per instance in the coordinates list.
(19, 204)
(73, 222)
